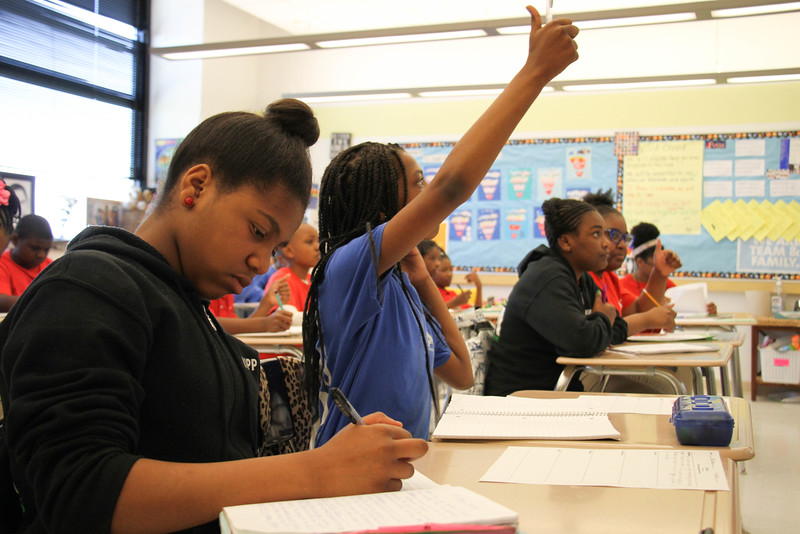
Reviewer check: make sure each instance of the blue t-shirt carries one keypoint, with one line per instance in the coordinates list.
(255, 291)
(374, 349)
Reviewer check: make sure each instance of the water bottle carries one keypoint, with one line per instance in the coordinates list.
(776, 301)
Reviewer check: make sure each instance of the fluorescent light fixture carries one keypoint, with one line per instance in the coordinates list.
(609, 23)
(467, 92)
(226, 52)
(638, 85)
(755, 10)
(352, 98)
(635, 21)
(461, 92)
(394, 39)
(759, 79)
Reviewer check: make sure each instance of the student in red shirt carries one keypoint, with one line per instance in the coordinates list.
(32, 239)
(443, 277)
(301, 254)
(645, 245)
(639, 317)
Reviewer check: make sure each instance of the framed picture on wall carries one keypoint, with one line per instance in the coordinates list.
(23, 186)
(103, 212)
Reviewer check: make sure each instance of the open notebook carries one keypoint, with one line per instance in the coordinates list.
(638, 349)
(478, 417)
(443, 507)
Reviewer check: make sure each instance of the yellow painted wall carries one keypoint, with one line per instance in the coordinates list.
(675, 109)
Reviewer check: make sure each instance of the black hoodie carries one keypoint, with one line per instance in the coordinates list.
(109, 356)
(548, 314)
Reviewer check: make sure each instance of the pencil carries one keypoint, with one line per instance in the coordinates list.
(651, 297)
(280, 302)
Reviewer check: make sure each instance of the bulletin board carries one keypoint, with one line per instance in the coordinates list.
(728, 204)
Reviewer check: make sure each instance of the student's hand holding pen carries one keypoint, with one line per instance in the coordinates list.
(604, 307)
(662, 317)
(461, 298)
(551, 48)
(278, 321)
(367, 458)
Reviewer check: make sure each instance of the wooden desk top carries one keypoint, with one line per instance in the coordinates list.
(775, 322)
(683, 359)
(725, 319)
(651, 431)
(586, 509)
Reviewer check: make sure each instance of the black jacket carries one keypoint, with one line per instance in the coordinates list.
(548, 314)
(109, 356)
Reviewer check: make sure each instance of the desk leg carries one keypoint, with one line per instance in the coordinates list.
(736, 364)
(753, 361)
(565, 378)
(725, 380)
(697, 381)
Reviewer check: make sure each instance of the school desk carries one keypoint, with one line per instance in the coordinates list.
(270, 345)
(767, 323)
(546, 509)
(609, 363)
(726, 322)
(651, 431)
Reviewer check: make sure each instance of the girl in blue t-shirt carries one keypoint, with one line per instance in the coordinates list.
(376, 326)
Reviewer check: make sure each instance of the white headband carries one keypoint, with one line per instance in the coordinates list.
(644, 246)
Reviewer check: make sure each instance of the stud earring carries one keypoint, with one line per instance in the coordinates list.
(189, 201)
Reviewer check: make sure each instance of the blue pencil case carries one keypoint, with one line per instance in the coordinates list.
(702, 420)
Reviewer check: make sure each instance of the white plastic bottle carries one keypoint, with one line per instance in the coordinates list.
(776, 301)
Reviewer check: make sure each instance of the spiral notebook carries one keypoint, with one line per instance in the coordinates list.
(478, 417)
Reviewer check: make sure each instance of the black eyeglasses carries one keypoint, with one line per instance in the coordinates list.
(616, 237)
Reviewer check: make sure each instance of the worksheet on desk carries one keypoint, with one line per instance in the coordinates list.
(626, 468)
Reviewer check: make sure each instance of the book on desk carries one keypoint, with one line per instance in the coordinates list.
(479, 417)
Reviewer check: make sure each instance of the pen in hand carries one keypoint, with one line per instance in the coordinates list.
(651, 297)
(345, 406)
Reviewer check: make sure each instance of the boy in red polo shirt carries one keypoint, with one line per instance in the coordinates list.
(32, 239)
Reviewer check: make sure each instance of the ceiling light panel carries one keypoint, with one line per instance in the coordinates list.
(304, 17)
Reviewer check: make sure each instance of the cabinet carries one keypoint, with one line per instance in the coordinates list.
(772, 324)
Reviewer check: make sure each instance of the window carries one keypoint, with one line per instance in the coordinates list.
(72, 101)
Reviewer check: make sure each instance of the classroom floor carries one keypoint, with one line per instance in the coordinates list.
(770, 486)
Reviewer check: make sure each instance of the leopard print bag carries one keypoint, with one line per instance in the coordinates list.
(283, 403)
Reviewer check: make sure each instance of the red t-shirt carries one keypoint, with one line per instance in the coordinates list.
(297, 287)
(14, 279)
(448, 295)
(609, 287)
(223, 307)
(631, 289)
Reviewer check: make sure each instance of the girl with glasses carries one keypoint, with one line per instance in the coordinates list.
(648, 316)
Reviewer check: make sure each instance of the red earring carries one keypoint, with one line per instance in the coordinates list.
(189, 201)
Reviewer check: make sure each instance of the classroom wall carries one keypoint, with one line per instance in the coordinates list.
(185, 92)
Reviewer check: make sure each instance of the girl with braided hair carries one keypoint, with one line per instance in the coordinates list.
(555, 308)
(375, 325)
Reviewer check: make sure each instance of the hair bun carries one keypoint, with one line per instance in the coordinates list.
(296, 118)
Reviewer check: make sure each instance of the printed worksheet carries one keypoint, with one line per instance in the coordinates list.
(626, 468)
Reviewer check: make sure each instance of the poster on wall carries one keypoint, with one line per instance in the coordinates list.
(165, 150)
(23, 186)
(103, 212)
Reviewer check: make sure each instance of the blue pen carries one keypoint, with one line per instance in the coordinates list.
(345, 406)
(280, 302)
